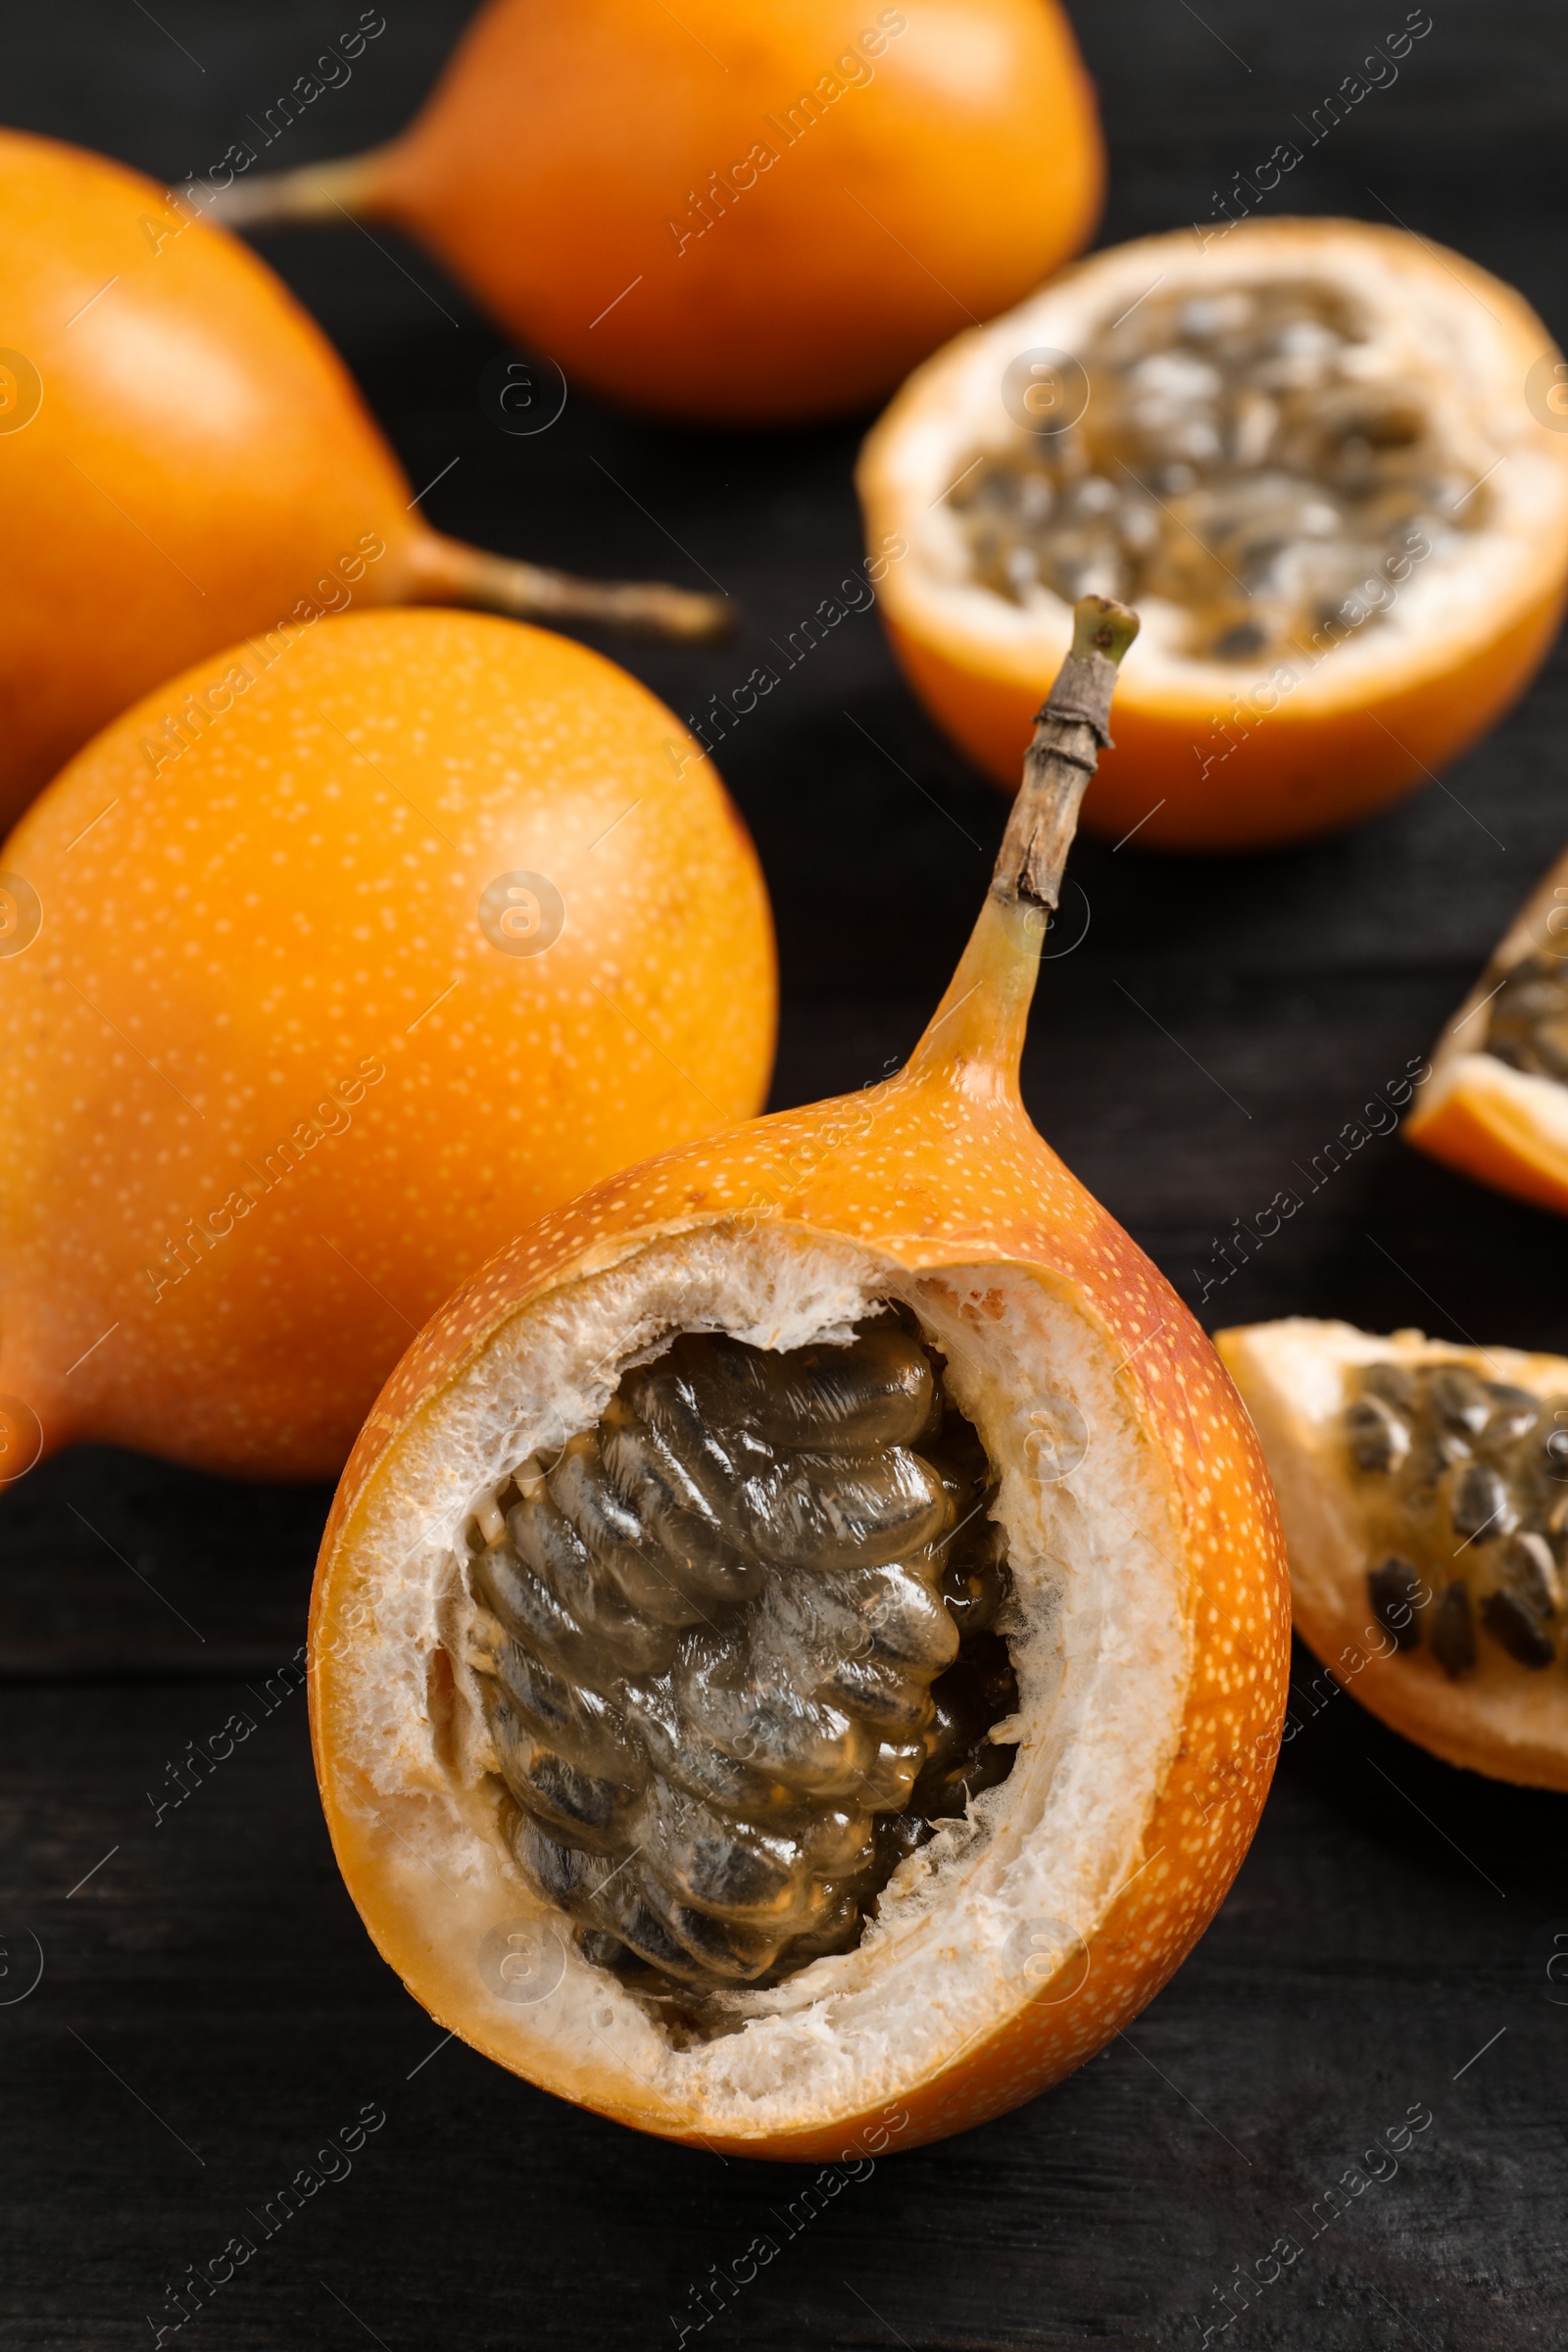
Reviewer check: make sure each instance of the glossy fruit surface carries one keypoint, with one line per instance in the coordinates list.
(756, 214)
(1495, 1102)
(423, 923)
(183, 459)
(1145, 1627)
(1322, 457)
(1421, 1486)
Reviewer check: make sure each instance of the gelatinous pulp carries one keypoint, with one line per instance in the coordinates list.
(1236, 458)
(742, 1651)
(1469, 1481)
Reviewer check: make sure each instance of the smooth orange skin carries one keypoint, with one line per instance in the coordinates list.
(1495, 1145)
(951, 1172)
(223, 943)
(953, 171)
(1297, 773)
(199, 464)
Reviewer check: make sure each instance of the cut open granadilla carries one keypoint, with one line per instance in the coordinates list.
(1320, 456)
(804, 1630)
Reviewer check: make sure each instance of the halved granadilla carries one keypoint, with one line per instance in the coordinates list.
(1495, 1101)
(803, 1633)
(1321, 457)
(1424, 1491)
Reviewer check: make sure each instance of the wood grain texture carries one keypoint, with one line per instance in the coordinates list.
(211, 2012)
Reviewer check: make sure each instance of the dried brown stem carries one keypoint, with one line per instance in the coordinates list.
(335, 191)
(1070, 732)
(446, 572)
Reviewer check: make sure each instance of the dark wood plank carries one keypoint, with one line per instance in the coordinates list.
(210, 2010)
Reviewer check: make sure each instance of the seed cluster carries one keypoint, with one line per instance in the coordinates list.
(1232, 461)
(1527, 1023)
(740, 1657)
(1470, 1481)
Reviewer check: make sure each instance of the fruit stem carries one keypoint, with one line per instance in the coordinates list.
(446, 572)
(976, 1034)
(1071, 728)
(313, 192)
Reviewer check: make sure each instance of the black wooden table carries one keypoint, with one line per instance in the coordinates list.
(210, 2012)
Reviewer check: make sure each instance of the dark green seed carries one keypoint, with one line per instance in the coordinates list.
(1514, 1414)
(975, 1579)
(1453, 1633)
(1460, 1400)
(1528, 1019)
(1480, 1502)
(1395, 1592)
(1378, 1439)
(588, 1813)
(1517, 1629)
(1396, 1383)
(878, 1391)
(587, 1730)
(1529, 1566)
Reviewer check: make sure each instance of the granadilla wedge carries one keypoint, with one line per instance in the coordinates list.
(1424, 1490)
(1496, 1104)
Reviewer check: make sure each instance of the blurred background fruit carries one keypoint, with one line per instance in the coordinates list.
(1308, 450)
(183, 460)
(417, 930)
(742, 214)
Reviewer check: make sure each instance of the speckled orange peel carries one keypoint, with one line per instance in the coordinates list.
(735, 212)
(428, 923)
(184, 459)
(1504, 1125)
(1147, 1628)
(1428, 648)
(1296, 1378)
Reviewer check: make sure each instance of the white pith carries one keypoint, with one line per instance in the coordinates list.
(1500, 1719)
(1448, 333)
(1097, 1630)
